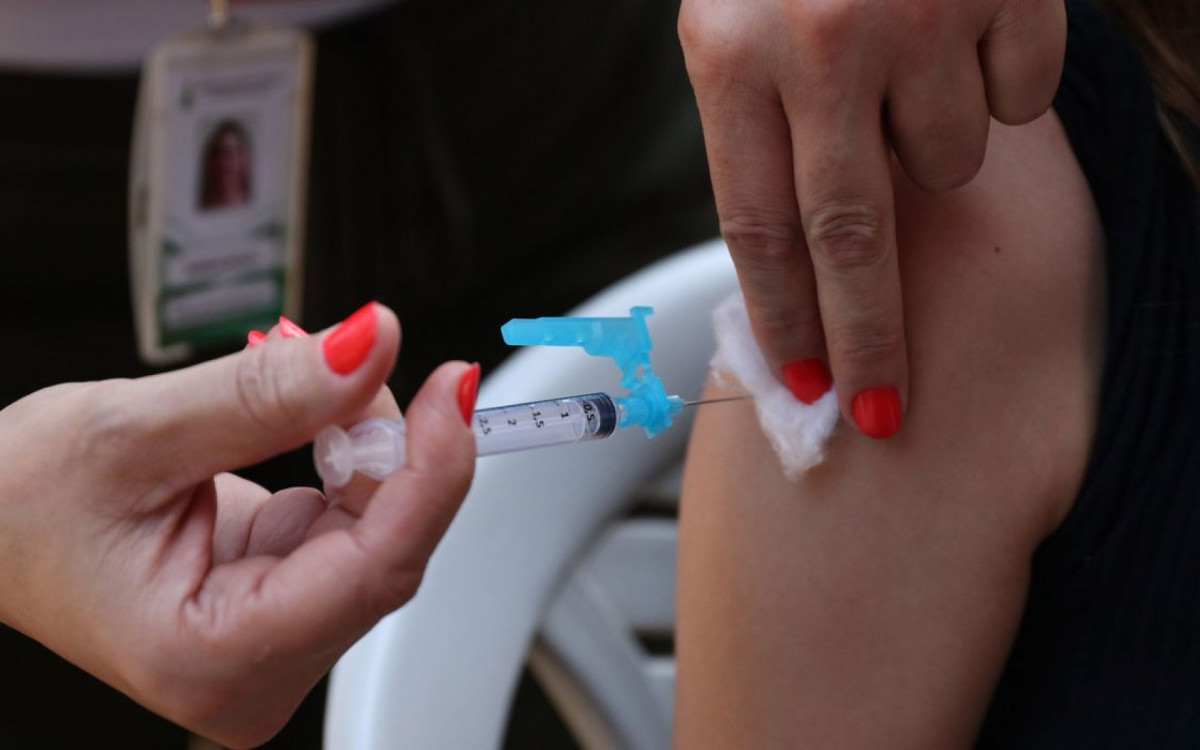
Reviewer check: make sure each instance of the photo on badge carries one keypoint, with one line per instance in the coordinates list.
(226, 165)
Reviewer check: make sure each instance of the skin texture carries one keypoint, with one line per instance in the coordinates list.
(205, 597)
(803, 103)
(873, 602)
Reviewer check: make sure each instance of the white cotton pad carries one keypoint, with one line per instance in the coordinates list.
(797, 431)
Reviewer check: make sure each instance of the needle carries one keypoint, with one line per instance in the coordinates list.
(701, 402)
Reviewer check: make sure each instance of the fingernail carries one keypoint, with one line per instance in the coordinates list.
(468, 390)
(290, 330)
(877, 412)
(254, 338)
(807, 379)
(347, 347)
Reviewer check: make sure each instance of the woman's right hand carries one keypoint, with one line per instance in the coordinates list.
(208, 599)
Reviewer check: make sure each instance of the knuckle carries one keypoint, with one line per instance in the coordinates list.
(846, 237)
(924, 19)
(715, 42)
(761, 242)
(824, 31)
(777, 325)
(867, 347)
(830, 21)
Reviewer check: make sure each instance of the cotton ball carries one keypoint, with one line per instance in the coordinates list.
(797, 431)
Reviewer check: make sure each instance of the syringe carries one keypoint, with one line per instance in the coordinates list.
(376, 447)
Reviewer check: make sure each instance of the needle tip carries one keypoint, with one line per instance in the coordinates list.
(703, 401)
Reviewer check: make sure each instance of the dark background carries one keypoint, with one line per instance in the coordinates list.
(472, 162)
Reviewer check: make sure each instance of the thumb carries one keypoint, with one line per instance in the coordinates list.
(247, 407)
(337, 585)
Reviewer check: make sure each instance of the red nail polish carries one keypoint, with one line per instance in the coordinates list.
(807, 379)
(347, 347)
(468, 390)
(290, 330)
(877, 412)
(254, 338)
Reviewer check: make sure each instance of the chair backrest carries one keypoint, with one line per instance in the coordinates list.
(440, 673)
(590, 656)
(114, 35)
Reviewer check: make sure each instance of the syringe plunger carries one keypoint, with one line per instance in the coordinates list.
(374, 448)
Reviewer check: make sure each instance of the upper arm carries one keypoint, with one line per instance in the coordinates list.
(872, 603)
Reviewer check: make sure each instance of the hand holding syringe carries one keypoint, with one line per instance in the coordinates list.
(376, 448)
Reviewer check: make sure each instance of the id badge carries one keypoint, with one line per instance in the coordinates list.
(217, 189)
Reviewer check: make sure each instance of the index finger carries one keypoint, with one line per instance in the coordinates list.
(844, 188)
(749, 149)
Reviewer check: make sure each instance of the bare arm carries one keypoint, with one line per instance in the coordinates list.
(872, 604)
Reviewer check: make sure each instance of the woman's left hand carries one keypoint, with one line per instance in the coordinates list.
(203, 596)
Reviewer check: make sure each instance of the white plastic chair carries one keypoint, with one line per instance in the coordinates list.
(114, 35)
(535, 550)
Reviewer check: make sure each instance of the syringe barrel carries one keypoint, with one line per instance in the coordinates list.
(377, 447)
(538, 424)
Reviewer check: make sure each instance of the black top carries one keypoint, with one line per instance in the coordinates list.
(1108, 653)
